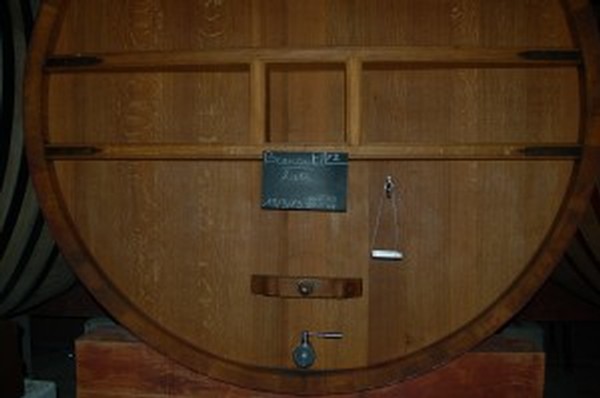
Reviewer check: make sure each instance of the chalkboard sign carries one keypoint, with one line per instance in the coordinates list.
(305, 181)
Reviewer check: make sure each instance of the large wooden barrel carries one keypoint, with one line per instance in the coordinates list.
(31, 268)
(232, 178)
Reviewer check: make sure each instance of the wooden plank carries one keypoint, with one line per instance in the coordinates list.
(353, 101)
(254, 152)
(112, 363)
(415, 56)
(258, 103)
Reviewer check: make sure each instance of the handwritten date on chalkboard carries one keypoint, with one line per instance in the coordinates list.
(305, 181)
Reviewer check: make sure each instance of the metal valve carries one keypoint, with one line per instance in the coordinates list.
(304, 355)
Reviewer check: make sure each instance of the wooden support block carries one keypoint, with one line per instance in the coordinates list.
(11, 364)
(111, 363)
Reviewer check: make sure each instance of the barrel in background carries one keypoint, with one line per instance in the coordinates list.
(579, 270)
(31, 268)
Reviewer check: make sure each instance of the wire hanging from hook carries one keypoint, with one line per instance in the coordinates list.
(389, 194)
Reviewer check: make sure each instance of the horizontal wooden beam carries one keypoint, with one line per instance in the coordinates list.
(401, 57)
(99, 151)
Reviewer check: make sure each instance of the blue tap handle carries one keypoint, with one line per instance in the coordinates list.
(304, 355)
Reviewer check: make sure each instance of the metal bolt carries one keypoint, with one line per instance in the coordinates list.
(306, 287)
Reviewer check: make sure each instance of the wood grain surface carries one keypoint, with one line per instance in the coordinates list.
(148, 166)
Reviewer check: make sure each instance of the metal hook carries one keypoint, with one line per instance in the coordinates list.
(389, 186)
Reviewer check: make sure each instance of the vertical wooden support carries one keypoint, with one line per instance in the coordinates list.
(258, 103)
(11, 366)
(258, 83)
(353, 109)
